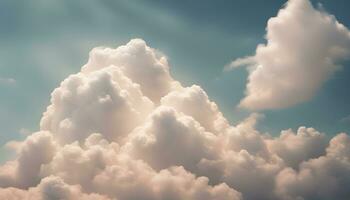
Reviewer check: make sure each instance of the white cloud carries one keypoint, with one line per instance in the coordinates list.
(244, 136)
(50, 188)
(106, 136)
(320, 178)
(195, 102)
(36, 150)
(86, 104)
(100, 167)
(7, 81)
(136, 181)
(295, 148)
(150, 70)
(169, 138)
(345, 119)
(304, 47)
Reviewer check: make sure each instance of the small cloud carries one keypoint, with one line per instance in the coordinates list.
(240, 62)
(345, 119)
(13, 145)
(25, 132)
(7, 81)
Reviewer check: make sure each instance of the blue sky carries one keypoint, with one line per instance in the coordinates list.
(42, 42)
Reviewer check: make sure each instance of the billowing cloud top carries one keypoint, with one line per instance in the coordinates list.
(304, 46)
(124, 129)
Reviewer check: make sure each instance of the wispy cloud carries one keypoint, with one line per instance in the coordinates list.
(7, 81)
(345, 119)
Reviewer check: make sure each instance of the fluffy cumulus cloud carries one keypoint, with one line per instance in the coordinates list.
(303, 50)
(295, 148)
(158, 140)
(86, 103)
(325, 177)
(50, 188)
(124, 129)
(193, 101)
(145, 66)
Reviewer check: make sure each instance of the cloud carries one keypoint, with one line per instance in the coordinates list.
(7, 81)
(100, 167)
(150, 70)
(319, 178)
(244, 136)
(158, 140)
(86, 103)
(295, 148)
(193, 101)
(304, 47)
(49, 188)
(36, 150)
(109, 133)
(345, 119)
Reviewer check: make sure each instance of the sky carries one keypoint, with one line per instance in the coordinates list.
(241, 72)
